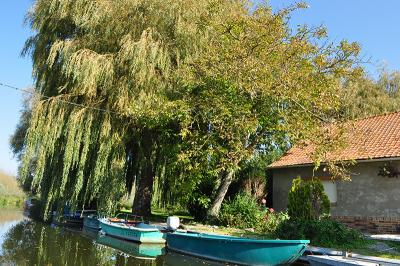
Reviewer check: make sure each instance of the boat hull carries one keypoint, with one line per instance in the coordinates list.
(92, 223)
(237, 250)
(132, 233)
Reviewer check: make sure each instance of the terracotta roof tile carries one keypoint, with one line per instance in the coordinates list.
(377, 137)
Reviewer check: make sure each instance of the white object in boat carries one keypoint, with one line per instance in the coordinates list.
(173, 223)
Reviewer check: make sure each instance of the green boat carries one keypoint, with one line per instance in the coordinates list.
(236, 250)
(132, 229)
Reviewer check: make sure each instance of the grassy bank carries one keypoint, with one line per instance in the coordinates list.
(11, 196)
(384, 249)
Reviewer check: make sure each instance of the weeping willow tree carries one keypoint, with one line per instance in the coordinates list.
(109, 76)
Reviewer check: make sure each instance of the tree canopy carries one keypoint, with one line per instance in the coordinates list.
(364, 96)
(173, 91)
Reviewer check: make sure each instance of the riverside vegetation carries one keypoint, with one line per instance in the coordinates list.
(184, 95)
(309, 220)
(11, 196)
(175, 108)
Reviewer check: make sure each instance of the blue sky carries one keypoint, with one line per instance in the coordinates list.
(13, 70)
(372, 23)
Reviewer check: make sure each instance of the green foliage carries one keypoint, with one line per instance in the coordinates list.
(244, 212)
(11, 195)
(84, 52)
(11, 201)
(271, 221)
(364, 96)
(241, 212)
(324, 233)
(200, 199)
(307, 200)
(261, 86)
(187, 85)
(251, 177)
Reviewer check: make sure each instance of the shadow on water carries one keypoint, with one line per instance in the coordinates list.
(32, 243)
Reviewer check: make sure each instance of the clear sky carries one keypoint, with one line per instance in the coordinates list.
(13, 70)
(372, 23)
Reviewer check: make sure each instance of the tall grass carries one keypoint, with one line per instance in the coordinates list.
(10, 193)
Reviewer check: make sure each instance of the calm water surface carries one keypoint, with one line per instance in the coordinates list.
(26, 242)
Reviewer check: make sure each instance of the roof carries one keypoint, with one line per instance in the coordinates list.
(378, 137)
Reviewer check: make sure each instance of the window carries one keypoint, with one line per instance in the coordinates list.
(329, 185)
(330, 190)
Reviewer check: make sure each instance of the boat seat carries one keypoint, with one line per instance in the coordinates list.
(116, 220)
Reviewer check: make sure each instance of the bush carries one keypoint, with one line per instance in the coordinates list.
(271, 221)
(307, 200)
(241, 212)
(324, 233)
(198, 206)
(200, 197)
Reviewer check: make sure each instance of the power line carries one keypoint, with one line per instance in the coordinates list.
(57, 99)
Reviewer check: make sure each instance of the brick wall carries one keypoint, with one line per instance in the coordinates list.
(388, 225)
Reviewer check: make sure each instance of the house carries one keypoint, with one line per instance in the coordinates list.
(371, 200)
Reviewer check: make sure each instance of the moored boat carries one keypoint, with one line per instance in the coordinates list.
(92, 222)
(132, 229)
(71, 219)
(242, 251)
(325, 260)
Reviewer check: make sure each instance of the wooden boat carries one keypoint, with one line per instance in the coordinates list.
(92, 222)
(132, 228)
(236, 250)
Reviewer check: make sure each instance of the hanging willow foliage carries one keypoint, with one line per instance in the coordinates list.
(127, 58)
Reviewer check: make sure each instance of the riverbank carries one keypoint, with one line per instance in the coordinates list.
(11, 196)
(370, 247)
(11, 201)
(367, 247)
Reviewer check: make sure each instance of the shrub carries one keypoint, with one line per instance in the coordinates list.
(307, 200)
(271, 221)
(197, 207)
(200, 200)
(324, 233)
(241, 212)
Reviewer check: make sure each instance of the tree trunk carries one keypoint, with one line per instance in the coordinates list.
(215, 207)
(144, 192)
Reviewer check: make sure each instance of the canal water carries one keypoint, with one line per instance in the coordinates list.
(26, 242)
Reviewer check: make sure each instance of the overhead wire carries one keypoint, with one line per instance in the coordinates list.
(57, 99)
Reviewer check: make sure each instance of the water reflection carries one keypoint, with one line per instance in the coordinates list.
(31, 243)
